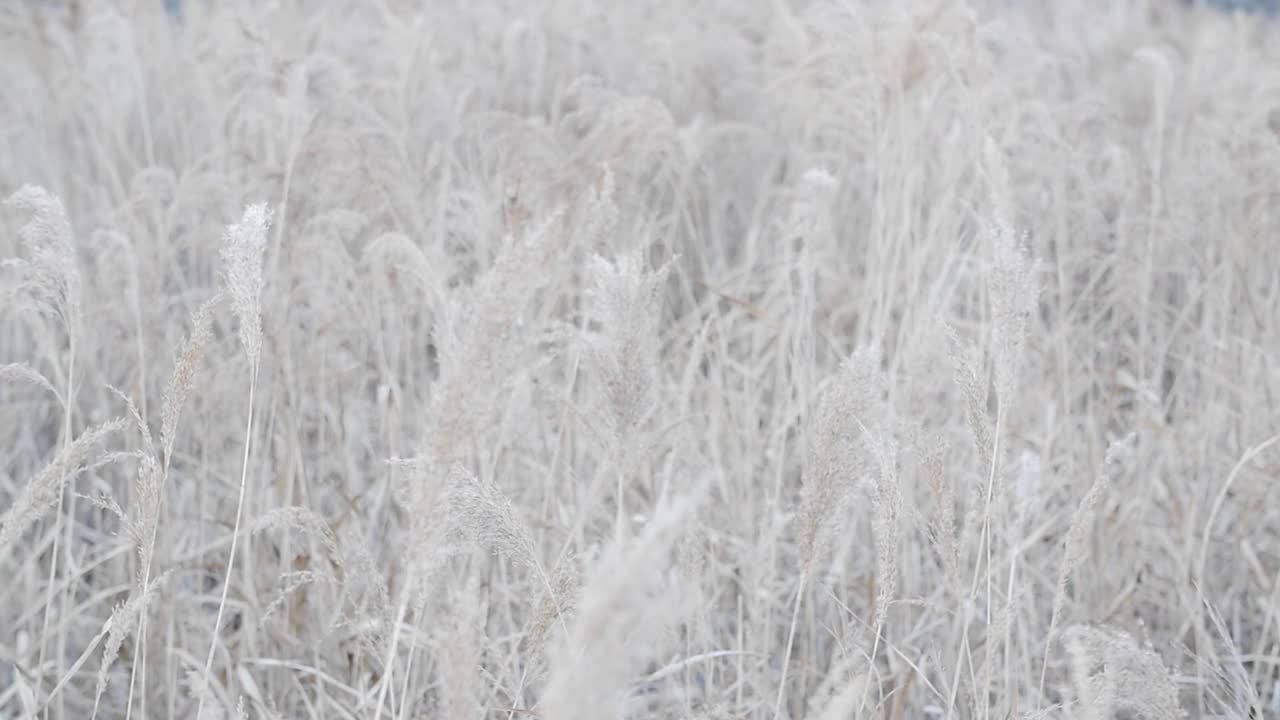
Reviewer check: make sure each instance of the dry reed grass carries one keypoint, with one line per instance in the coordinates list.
(664, 360)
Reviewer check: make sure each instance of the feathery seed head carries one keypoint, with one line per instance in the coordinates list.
(1076, 543)
(124, 618)
(50, 276)
(1012, 283)
(626, 302)
(480, 512)
(624, 607)
(886, 521)
(25, 374)
(243, 251)
(558, 601)
(184, 370)
(43, 492)
(839, 426)
(974, 386)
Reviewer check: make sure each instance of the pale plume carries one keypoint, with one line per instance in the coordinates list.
(243, 251)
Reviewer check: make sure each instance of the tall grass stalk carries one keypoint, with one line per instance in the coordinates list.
(244, 246)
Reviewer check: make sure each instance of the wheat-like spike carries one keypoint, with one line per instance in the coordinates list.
(149, 486)
(974, 389)
(144, 519)
(107, 503)
(139, 424)
(184, 371)
(557, 604)
(41, 494)
(24, 373)
(886, 524)
(124, 619)
(1076, 542)
(943, 526)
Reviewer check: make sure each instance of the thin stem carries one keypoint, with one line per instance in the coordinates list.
(235, 535)
(871, 668)
(791, 636)
(57, 527)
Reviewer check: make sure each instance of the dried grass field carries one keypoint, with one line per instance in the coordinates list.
(589, 360)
